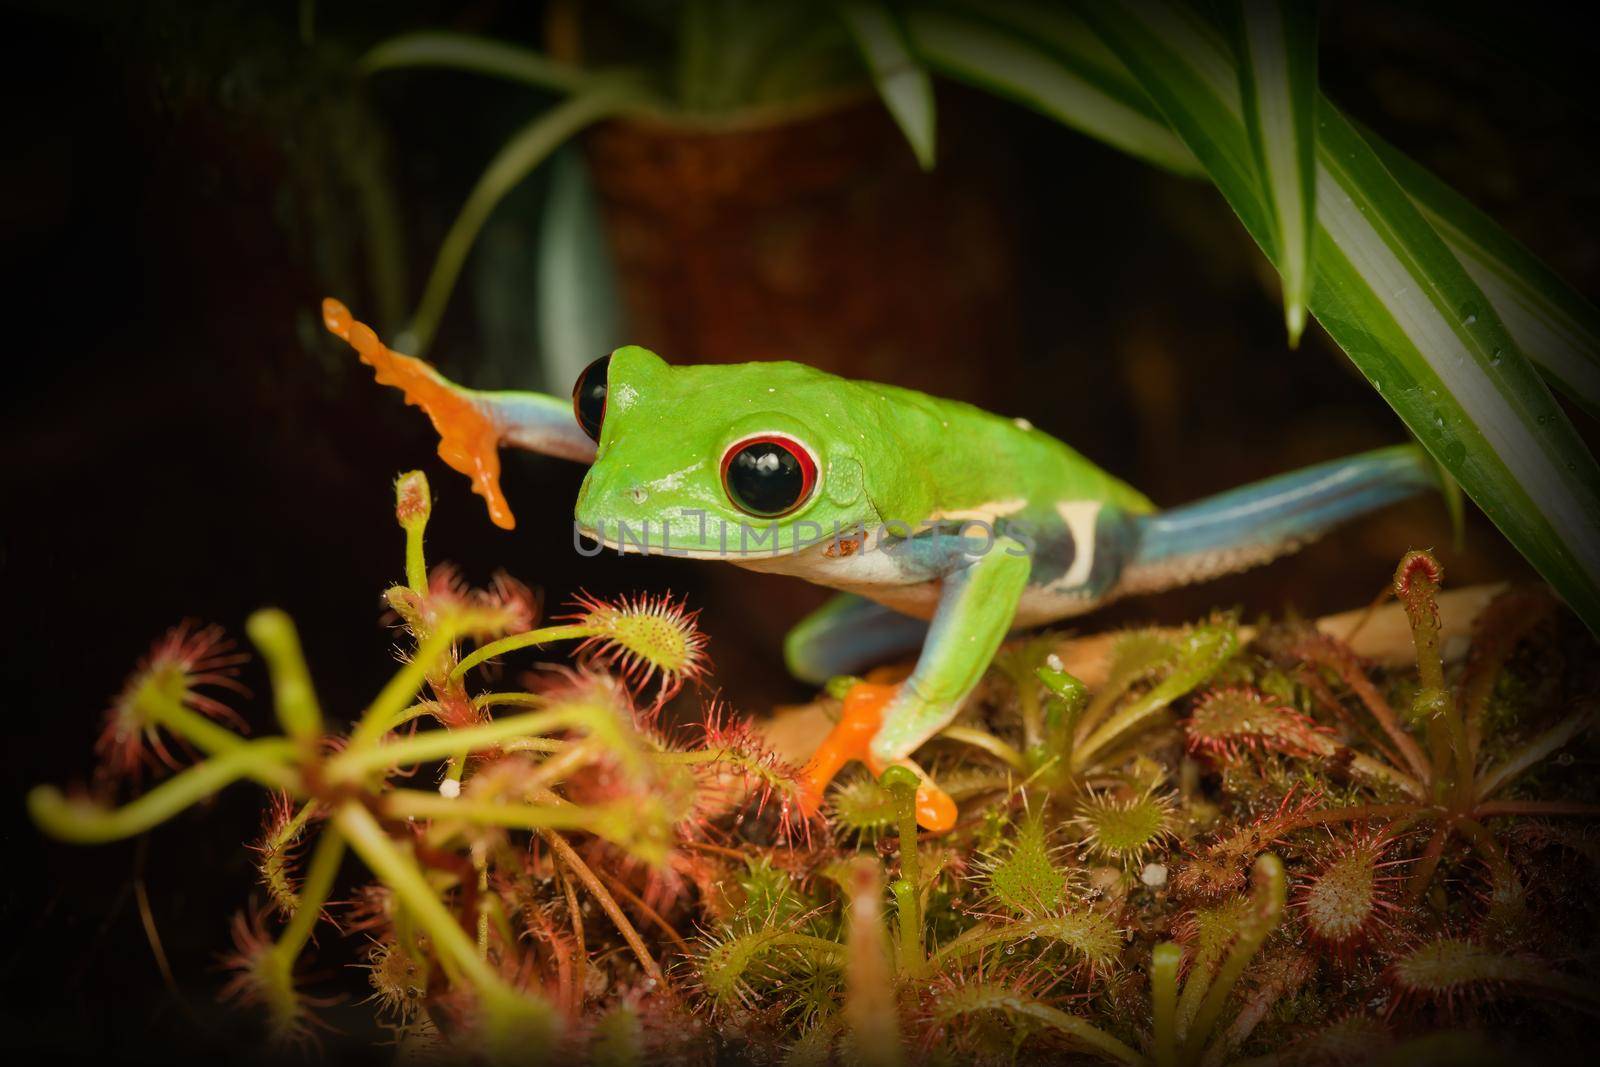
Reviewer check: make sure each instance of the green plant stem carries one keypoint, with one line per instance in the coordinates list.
(902, 784)
(1417, 586)
(418, 804)
(912, 961)
(179, 718)
(477, 55)
(442, 744)
(1003, 999)
(1195, 987)
(809, 943)
(991, 744)
(416, 559)
(1267, 898)
(521, 700)
(1164, 961)
(396, 694)
(410, 887)
(516, 159)
(85, 823)
(320, 875)
(1085, 1033)
(293, 696)
(1205, 650)
(541, 636)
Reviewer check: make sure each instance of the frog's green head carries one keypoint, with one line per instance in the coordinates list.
(727, 460)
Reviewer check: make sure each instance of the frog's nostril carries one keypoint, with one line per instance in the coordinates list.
(639, 494)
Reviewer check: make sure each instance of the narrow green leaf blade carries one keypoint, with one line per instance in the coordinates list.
(514, 162)
(1030, 71)
(1396, 299)
(902, 81)
(1422, 331)
(480, 55)
(1192, 79)
(1277, 47)
(1557, 328)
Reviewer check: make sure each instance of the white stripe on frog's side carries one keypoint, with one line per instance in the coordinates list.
(989, 512)
(1080, 517)
(1069, 594)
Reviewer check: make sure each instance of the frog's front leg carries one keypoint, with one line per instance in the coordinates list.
(976, 605)
(883, 725)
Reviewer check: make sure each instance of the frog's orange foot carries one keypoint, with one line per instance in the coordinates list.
(468, 438)
(851, 739)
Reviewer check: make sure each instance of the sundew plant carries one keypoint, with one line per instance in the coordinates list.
(1222, 844)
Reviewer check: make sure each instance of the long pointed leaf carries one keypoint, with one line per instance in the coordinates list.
(1032, 72)
(1460, 381)
(1399, 303)
(1177, 64)
(1277, 48)
(1558, 329)
(1554, 326)
(902, 81)
(515, 160)
(480, 55)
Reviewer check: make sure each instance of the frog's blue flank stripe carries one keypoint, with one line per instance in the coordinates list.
(1244, 527)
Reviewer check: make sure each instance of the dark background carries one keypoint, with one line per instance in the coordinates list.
(183, 184)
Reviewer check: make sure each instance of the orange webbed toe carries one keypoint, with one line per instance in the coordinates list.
(469, 440)
(851, 740)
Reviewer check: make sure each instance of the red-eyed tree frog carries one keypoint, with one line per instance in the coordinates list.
(943, 526)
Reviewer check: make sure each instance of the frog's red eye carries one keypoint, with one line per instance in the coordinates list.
(589, 397)
(768, 475)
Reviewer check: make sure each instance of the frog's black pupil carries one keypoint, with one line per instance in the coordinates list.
(764, 478)
(589, 397)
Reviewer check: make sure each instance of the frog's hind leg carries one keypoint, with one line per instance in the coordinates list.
(471, 424)
(846, 635)
(1257, 523)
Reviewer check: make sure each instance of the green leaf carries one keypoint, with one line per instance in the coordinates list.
(1189, 73)
(1395, 298)
(515, 161)
(1554, 326)
(1277, 49)
(580, 311)
(1046, 73)
(1413, 320)
(902, 81)
(480, 55)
